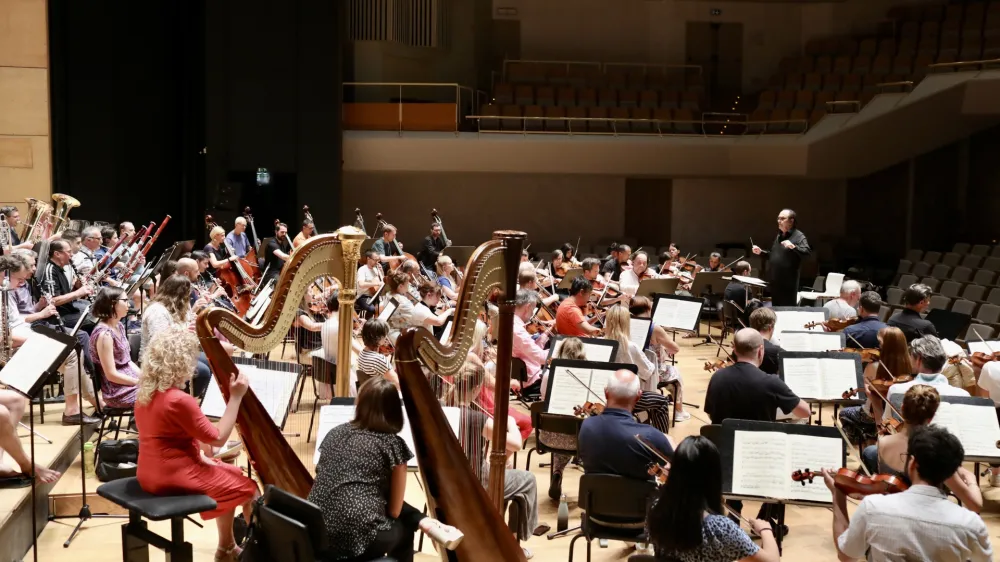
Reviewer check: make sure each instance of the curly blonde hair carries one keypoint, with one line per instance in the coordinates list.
(169, 363)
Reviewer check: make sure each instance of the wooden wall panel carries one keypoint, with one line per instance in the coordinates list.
(15, 153)
(23, 37)
(24, 101)
(35, 181)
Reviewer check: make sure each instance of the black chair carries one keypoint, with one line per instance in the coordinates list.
(134, 343)
(541, 421)
(614, 507)
(519, 372)
(324, 372)
(731, 321)
(109, 414)
(136, 537)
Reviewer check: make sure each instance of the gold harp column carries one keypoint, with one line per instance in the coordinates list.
(351, 239)
(513, 242)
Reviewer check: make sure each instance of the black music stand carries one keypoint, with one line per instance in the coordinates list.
(836, 402)
(949, 325)
(26, 373)
(706, 284)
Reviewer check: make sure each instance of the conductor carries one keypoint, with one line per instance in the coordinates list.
(785, 259)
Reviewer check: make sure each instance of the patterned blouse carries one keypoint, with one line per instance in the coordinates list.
(353, 480)
(721, 541)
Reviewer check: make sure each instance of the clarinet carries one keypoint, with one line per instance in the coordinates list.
(48, 300)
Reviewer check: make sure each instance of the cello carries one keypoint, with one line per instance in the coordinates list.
(239, 285)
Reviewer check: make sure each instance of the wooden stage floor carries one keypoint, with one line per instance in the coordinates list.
(809, 539)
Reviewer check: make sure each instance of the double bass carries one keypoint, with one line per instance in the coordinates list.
(251, 257)
(380, 225)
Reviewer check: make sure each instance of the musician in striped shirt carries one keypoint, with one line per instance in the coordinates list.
(371, 362)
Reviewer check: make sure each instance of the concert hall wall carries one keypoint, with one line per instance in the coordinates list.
(696, 213)
(25, 168)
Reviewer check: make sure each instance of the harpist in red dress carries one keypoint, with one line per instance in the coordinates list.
(170, 462)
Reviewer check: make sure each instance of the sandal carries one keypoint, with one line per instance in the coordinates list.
(231, 554)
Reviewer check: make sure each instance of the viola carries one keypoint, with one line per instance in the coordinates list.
(659, 472)
(856, 485)
(588, 409)
(713, 366)
(833, 324)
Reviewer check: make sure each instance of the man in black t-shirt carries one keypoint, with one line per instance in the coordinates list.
(277, 252)
(744, 392)
(612, 269)
(916, 299)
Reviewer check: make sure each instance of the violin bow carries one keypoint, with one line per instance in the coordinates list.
(599, 399)
(854, 450)
(988, 346)
(732, 263)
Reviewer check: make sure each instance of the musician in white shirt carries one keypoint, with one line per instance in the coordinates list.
(84, 260)
(919, 523)
(630, 278)
(845, 307)
(370, 280)
(929, 359)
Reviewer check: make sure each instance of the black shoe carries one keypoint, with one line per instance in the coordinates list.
(76, 419)
(555, 486)
(784, 529)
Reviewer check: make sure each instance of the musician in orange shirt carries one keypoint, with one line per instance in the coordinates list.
(570, 319)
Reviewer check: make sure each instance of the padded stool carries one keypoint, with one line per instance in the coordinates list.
(136, 537)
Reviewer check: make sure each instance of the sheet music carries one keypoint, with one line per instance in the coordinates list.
(390, 307)
(598, 381)
(593, 352)
(332, 416)
(446, 333)
(802, 376)
(272, 388)
(810, 341)
(982, 347)
(26, 366)
(796, 320)
(759, 464)
(750, 280)
(677, 314)
(813, 453)
(838, 375)
(638, 330)
(567, 392)
(975, 426)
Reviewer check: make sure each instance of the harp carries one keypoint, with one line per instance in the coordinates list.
(454, 494)
(334, 255)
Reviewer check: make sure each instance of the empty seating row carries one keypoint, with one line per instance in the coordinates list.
(954, 257)
(808, 100)
(547, 96)
(938, 12)
(944, 268)
(959, 275)
(595, 75)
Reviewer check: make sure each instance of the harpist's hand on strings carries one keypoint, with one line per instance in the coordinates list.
(238, 386)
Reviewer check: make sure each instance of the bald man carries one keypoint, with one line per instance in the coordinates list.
(607, 443)
(200, 296)
(744, 392)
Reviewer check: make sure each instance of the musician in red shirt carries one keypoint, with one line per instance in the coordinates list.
(570, 319)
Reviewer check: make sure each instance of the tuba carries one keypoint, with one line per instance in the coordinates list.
(38, 222)
(60, 213)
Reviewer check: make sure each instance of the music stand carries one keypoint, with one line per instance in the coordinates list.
(179, 249)
(650, 287)
(39, 358)
(949, 325)
(705, 284)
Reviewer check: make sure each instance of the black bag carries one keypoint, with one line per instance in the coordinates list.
(112, 454)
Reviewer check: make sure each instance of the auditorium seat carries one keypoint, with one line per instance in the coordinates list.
(766, 100)
(649, 99)
(972, 261)
(984, 277)
(991, 47)
(577, 112)
(868, 47)
(881, 65)
(941, 270)
(503, 94)
(534, 124)
(799, 121)
(816, 115)
(980, 250)
(992, 263)
(641, 126)
(786, 100)
(663, 116)
(804, 100)
(598, 126)
(822, 98)
(921, 268)
(554, 121)
(690, 100)
(778, 122)
(824, 64)
(852, 83)
(607, 97)
(618, 113)
(670, 100)
(842, 65)
(586, 97)
(812, 81)
(524, 95)
(831, 83)
(928, 46)
(684, 121)
(566, 97)
(491, 123)
(513, 115)
(628, 98)
(932, 257)
(545, 96)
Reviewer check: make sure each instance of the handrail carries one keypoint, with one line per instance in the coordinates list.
(904, 83)
(838, 103)
(957, 64)
(474, 95)
(614, 131)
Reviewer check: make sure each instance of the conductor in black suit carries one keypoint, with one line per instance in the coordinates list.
(785, 259)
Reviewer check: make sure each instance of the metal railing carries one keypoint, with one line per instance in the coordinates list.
(663, 127)
(961, 66)
(458, 95)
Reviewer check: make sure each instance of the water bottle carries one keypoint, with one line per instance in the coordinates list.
(562, 523)
(88, 458)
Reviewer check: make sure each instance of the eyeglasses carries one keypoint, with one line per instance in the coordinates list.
(123, 299)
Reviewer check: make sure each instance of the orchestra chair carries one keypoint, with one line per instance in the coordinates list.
(713, 433)
(564, 425)
(519, 372)
(614, 508)
(108, 414)
(730, 322)
(323, 372)
(671, 386)
(307, 371)
(136, 537)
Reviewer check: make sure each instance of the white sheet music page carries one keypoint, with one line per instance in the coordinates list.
(677, 314)
(810, 341)
(599, 353)
(796, 320)
(760, 465)
(390, 307)
(975, 426)
(273, 389)
(598, 380)
(333, 416)
(638, 330)
(795, 341)
(987, 347)
(813, 453)
(838, 376)
(802, 375)
(567, 392)
(26, 366)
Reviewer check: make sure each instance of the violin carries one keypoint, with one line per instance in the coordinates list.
(979, 358)
(713, 366)
(856, 485)
(588, 409)
(659, 472)
(386, 348)
(833, 324)
(868, 355)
